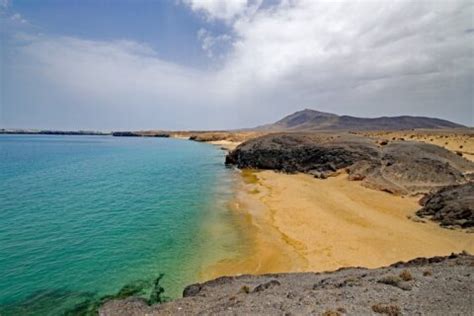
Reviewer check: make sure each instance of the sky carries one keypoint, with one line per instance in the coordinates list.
(222, 64)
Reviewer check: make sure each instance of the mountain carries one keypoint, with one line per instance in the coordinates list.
(314, 120)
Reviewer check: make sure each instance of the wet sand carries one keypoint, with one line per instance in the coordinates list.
(298, 223)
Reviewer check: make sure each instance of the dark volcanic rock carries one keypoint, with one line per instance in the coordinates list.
(413, 167)
(191, 290)
(399, 167)
(301, 153)
(450, 206)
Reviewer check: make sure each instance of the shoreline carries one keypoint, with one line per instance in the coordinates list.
(296, 223)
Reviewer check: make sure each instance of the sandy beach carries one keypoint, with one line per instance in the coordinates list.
(298, 223)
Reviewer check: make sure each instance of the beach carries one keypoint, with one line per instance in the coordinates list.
(298, 223)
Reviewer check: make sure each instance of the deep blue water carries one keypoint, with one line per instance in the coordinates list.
(84, 215)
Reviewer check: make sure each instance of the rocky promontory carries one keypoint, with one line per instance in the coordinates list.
(400, 167)
(423, 286)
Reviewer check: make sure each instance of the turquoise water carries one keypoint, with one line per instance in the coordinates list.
(84, 215)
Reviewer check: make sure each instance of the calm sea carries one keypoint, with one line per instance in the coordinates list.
(82, 216)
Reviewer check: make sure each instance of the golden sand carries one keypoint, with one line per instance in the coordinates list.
(299, 223)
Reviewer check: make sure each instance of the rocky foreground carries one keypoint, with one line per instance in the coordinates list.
(434, 286)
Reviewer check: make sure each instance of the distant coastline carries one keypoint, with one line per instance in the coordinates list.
(49, 132)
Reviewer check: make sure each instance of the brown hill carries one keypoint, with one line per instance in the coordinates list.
(314, 120)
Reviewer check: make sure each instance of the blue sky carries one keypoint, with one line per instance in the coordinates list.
(216, 64)
(167, 26)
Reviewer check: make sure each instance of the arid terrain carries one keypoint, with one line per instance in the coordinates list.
(315, 200)
(435, 286)
(460, 141)
(381, 201)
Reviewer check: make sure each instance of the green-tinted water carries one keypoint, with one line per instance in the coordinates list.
(84, 215)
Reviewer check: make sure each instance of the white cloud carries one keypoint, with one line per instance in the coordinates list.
(122, 81)
(224, 9)
(354, 56)
(210, 42)
(364, 58)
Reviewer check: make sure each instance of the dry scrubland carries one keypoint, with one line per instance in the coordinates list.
(460, 141)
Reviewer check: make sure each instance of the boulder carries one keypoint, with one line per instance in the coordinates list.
(450, 206)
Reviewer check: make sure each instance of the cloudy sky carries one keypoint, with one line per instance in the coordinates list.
(215, 64)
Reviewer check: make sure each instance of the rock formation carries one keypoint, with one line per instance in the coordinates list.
(399, 167)
(450, 206)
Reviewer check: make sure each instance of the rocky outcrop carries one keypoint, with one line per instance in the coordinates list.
(302, 152)
(423, 286)
(450, 206)
(399, 167)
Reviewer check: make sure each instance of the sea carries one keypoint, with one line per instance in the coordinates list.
(82, 217)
